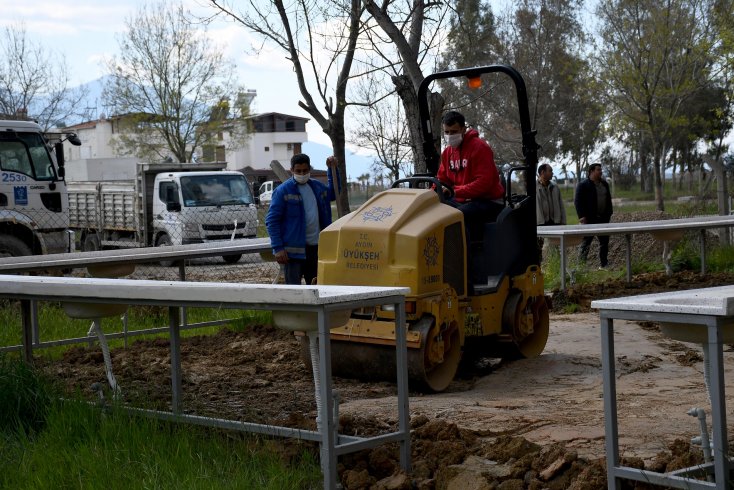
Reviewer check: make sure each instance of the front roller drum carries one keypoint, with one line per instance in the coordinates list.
(431, 367)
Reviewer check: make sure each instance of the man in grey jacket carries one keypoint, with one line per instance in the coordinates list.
(549, 209)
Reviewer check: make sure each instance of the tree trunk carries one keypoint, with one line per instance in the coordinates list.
(722, 194)
(338, 144)
(657, 178)
(407, 93)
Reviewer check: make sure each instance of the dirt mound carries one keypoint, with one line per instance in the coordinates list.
(256, 376)
(445, 456)
(653, 282)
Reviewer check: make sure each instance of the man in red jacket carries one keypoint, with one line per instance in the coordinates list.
(467, 166)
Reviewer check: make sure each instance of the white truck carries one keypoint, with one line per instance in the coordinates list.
(265, 193)
(33, 201)
(165, 204)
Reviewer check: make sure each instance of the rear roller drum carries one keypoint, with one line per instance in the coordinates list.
(528, 321)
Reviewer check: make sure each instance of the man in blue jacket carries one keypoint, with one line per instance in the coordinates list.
(593, 201)
(299, 210)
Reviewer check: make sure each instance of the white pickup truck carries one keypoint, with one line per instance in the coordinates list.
(166, 204)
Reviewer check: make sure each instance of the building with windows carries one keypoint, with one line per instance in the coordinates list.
(270, 136)
(248, 145)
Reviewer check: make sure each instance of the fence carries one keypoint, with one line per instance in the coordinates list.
(33, 231)
(192, 263)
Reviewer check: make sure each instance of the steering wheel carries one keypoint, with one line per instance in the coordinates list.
(415, 182)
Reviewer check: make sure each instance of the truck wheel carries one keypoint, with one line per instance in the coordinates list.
(11, 246)
(232, 259)
(164, 241)
(91, 243)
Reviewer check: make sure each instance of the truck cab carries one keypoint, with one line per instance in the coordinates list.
(33, 197)
(265, 193)
(199, 207)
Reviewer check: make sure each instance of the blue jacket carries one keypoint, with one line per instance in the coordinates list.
(286, 219)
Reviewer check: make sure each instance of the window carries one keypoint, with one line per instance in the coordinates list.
(168, 192)
(27, 155)
(290, 126)
(267, 148)
(221, 157)
(215, 190)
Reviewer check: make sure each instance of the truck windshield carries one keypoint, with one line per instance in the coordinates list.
(215, 190)
(27, 155)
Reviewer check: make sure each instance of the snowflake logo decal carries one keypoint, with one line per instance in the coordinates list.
(377, 214)
(431, 250)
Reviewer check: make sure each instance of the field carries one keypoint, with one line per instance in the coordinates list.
(539, 420)
(534, 423)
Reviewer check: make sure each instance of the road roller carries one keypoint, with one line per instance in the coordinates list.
(484, 298)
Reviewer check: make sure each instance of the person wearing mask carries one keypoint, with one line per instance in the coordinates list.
(593, 202)
(467, 167)
(299, 210)
(549, 209)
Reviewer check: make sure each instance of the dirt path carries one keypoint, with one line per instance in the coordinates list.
(557, 397)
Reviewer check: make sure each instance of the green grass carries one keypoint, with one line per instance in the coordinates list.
(55, 325)
(71, 444)
(47, 443)
(686, 256)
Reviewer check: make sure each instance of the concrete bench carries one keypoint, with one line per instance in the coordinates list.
(321, 302)
(704, 316)
(665, 230)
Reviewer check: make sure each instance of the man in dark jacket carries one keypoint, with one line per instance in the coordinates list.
(299, 210)
(593, 201)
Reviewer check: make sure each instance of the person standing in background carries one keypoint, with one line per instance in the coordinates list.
(299, 210)
(593, 202)
(549, 209)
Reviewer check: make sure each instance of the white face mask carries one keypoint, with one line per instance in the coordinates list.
(302, 179)
(453, 139)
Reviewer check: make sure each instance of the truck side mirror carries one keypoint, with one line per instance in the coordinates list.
(173, 207)
(59, 150)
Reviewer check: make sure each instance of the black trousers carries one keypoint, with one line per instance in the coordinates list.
(603, 249)
(296, 269)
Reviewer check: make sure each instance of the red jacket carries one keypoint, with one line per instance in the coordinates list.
(470, 169)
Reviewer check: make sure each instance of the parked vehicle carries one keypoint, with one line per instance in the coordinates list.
(266, 191)
(33, 200)
(165, 204)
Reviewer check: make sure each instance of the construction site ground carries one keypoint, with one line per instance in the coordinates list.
(532, 423)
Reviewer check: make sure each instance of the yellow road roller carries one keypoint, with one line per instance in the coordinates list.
(490, 304)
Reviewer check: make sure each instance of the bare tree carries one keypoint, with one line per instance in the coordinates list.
(169, 81)
(34, 82)
(382, 128)
(304, 30)
(413, 29)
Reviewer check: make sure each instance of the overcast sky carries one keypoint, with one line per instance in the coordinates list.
(86, 32)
